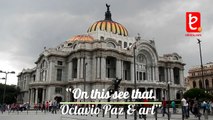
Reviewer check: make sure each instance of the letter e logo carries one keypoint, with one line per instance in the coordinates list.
(193, 22)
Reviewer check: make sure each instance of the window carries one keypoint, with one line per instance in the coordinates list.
(176, 75)
(59, 74)
(200, 84)
(69, 44)
(125, 44)
(140, 75)
(126, 70)
(194, 84)
(58, 90)
(43, 71)
(110, 67)
(60, 63)
(110, 45)
(207, 83)
(34, 78)
(101, 38)
(120, 43)
(74, 68)
(130, 44)
(144, 76)
(161, 74)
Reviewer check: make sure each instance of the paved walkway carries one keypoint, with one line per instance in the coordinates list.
(33, 115)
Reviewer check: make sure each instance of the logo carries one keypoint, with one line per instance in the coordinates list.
(193, 22)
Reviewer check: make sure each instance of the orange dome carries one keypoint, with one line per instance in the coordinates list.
(85, 38)
(108, 26)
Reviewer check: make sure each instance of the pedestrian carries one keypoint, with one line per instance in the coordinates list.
(164, 107)
(203, 105)
(187, 110)
(183, 104)
(211, 107)
(196, 108)
(173, 106)
(54, 107)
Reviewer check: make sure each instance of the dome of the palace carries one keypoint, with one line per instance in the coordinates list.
(85, 38)
(108, 25)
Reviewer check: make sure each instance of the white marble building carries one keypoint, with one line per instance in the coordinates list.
(94, 59)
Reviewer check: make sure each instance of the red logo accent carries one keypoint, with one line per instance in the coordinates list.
(193, 22)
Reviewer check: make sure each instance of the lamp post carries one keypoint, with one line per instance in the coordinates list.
(201, 64)
(12, 72)
(168, 87)
(135, 87)
(85, 64)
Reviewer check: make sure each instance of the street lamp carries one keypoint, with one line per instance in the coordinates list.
(85, 64)
(135, 86)
(201, 64)
(12, 72)
(168, 87)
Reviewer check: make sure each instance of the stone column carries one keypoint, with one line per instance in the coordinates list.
(172, 76)
(98, 67)
(43, 94)
(122, 69)
(182, 82)
(82, 68)
(103, 68)
(30, 92)
(162, 93)
(165, 74)
(69, 71)
(36, 96)
(118, 69)
(50, 73)
(94, 68)
(153, 73)
(154, 90)
(156, 73)
(33, 94)
(78, 68)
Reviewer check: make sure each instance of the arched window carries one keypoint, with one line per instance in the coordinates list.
(194, 84)
(111, 45)
(200, 84)
(43, 71)
(74, 46)
(207, 83)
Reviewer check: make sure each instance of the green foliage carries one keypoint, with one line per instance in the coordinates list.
(10, 95)
(198, 93)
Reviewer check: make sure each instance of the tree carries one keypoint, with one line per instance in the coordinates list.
(10, 95)
(198, 93)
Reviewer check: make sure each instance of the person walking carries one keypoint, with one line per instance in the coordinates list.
(183, 104)
(173, 106)
(164, 107)
(54, 107)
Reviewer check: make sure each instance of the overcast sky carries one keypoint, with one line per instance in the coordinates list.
(27, 26)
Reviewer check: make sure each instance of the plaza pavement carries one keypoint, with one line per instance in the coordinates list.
(33, 115)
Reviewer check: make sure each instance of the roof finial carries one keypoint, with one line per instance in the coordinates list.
(108, 13)
(107, 7)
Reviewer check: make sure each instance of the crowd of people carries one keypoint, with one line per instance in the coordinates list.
(189, 106)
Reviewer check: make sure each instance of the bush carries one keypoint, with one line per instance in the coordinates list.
(198, 93)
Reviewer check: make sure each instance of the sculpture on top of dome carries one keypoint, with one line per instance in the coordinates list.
(108, 13)
(107, 7)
